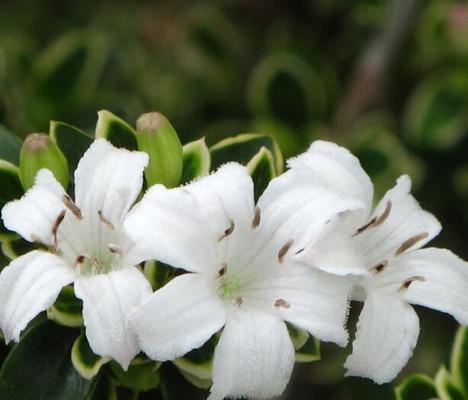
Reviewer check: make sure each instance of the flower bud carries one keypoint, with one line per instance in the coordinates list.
(157, 137)
(40, 151)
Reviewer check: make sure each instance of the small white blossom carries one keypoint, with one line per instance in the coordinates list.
(241, 276)
(380, 252)
(87, 247)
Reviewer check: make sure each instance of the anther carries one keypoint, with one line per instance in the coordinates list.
(228, 231)
(238, 301)
(366, 226)
(256, 218)
(299, 251)
(116, 249)
(80, 260)
(284, 249)
(56, 226)
(222, 270)
(376, 221)
(72, 206)
(104, 220)
(380, 267)
(406, 284)
(282, 303)
(410, 242)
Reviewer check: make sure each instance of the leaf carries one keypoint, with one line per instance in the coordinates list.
(197, 160)
(102, 389)
(310, 351)
(459, 359)
(158, 273)
(175, 387)
(416, 387)
(242, 148)
(10, 184)
(262, 170)
(39, 366)
(446, 388)
(72, 141)
(84, 360)
(67, 309)
(10, 146)
(115, 130)
(142, 374)
(14, 246)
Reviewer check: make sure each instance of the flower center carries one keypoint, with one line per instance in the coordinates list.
(229, 287)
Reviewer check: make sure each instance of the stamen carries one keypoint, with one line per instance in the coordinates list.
(299, 251)
(380, 267)
(366, 226)
(406, 284)
(72, 206)
(56, 225)
(222, 270)
(410, 242)
(80, 260)
(282, 303)
(104, 220)
(228, 231)
(284, 249)
(238, 301)
(376, 221)
(116, 249)
(256, 219)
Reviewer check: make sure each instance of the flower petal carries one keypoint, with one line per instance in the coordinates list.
(340, 169)
(179, 317)
(404, 225)
(387, 333)
(254, 357)
(108, 180)
(183, 226)
(308, 298)
(29, 285)
(108, 300)
(34, 215)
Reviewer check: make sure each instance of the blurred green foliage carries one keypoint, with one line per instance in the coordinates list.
(389, 82)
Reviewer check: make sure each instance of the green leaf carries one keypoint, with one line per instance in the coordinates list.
(416, 387)
(446, 387)
(158, 273)
(10, 184)
(10, 146)
(242, 148)
(142, 374)
(459, 359)
(67, 309)
(175, 387)
(72, 141)
(115, 130)
(39, 366)
(84, 360)
(102, 389)
(197, 160)
(310, 351)
(14, 246)
(262, 170)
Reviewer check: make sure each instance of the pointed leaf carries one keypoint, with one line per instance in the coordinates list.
(310, 351)
(10, 146)
(459, 359)
(262, 170)
(84, 360)
(158, 273)
(197, 160)
(175, 387)
(102, 389)
(142, 375)
(416, 387)
(10, 184)
(67, 309)
(14, 246)
(446, 388)
(115, 130)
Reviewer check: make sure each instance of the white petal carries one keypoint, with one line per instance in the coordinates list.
(109, 180)
(34, 215)
(178, 318)
(310, 299)
(182, 226)
(108, 300)
(406, 222)
(445, 283)
(387, 333)
(340, 169)
(29, 285)
(254, 357)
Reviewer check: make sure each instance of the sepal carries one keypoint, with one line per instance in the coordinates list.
(115, 130)
(197, 160)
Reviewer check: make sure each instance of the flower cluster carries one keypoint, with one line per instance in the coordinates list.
(309, 245)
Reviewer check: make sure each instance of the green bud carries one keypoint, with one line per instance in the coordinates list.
(40, 151)
(157, 137)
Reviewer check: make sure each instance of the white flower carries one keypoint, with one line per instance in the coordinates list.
(240, 276)
(87, 247)
(381, 253)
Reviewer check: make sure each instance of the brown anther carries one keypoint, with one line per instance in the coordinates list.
(56, 226)
(256, 218)
(406, 284)
(376, 221)
(222, 270)
(282, 303)
(366, 226)
(299, 251)
(380, 267)
(284, 249)
(105, 221)
(113, 248)
(70, 204)
(238, 301)
(80, 260)
(410, 242)
(228, 231)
